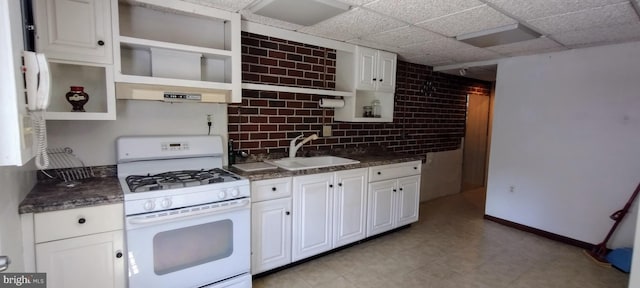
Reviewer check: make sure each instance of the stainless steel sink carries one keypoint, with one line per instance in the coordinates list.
(302, 163)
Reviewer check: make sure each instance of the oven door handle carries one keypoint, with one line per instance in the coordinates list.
(155, 220)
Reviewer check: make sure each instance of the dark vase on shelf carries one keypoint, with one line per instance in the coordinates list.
(77, 97)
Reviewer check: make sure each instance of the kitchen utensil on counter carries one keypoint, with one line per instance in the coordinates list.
(67, 166)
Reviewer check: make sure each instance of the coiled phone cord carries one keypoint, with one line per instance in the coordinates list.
(40, 129)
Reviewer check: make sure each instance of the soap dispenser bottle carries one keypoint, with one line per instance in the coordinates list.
(232, 154)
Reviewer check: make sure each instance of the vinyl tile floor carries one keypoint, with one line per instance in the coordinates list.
(451, 246)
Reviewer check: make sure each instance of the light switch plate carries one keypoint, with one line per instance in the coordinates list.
(326, 131)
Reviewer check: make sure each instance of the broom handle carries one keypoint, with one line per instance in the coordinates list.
(618, 215)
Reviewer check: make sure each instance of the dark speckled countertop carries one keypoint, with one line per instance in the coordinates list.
(48, 196)
(51, 196)
(366, 160)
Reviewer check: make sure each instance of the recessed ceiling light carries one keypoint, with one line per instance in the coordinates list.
(301, 12)
(499, 36)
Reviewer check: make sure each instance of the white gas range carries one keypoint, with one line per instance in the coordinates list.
(187, 219)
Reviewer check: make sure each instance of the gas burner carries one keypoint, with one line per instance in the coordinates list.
(178, 179)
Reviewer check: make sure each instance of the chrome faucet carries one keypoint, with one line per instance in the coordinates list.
(293, 148)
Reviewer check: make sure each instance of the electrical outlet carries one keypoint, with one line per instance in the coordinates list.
(209, 116)
(512, 188)
(326, 131)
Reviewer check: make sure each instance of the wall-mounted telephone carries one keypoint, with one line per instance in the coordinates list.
(38, 86)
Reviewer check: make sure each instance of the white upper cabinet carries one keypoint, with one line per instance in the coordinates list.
(386, 71)
(374, 78)
(175, 46)
(375, 70)
(76, 37)
(366, 69)
(74, 30)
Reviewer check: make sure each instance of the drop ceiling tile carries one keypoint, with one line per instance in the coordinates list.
(527, 10)
(469, 54)
(430, 60)
(538, 44)
(356, 2)
(229, 5)
(248, 15)
(352, 24)
(414, 11)
(403, 36)
(467, 21)
(540, 51)
(594, 17)
(379, 46)
(449, 49)
(600, 35)
(433, 47)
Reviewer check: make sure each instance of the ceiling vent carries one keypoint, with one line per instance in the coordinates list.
(301, 12)
(499, 36)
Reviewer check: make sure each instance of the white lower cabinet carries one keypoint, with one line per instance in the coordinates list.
(298, 217)
(393, 201)
(408, 200)
(312, 209)
(270, 234)
(81, 247)
(270, 224)
(350, 206)
(329, 211)
(89, 261)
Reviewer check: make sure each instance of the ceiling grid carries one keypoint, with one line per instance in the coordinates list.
(425, 32)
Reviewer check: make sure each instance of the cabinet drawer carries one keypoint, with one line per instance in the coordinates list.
(270, 189)
(76, 222)
(384, 172)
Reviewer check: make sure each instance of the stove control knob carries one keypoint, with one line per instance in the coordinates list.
(234, 192)
(166, 203)
(149, 205)
(222, 195)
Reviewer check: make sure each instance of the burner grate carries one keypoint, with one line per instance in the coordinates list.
(178, 179)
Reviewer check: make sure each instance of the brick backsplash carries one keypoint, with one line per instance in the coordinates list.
(269, 60)
(266, 121)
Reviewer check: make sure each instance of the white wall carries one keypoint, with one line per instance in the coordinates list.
(566, 135)
(94, 141)
(16, 182)
(441, 174)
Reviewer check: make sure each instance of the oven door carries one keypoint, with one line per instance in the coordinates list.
(189, 247)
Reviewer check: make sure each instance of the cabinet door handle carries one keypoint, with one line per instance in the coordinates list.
(82, 221)
(400, 188)
(379, 173)
(375, 79)
(380, 80)
(330, 185)
(394, 190)
(415, 168)
(118, 254)
(287, 213)
(340, 184)
(273, 189)
(100, 42)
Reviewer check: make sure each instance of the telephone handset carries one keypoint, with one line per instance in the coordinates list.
(38, 85)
